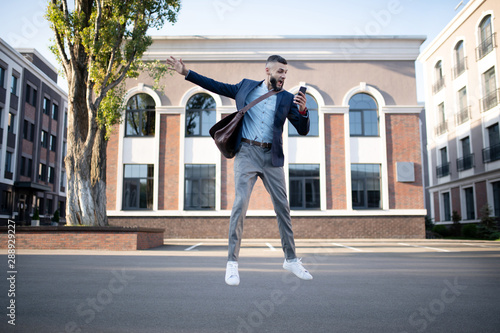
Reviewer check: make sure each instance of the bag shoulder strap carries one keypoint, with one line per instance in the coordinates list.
(258, 100)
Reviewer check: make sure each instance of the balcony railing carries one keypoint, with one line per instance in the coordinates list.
(490, 100)
(436, 87)
(441, 128)
(491, 153)
(443, 170)
(460, 68)
(463, 115)
(488, 44)
(465, 163)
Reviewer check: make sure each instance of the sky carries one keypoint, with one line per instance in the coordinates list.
(22, 22)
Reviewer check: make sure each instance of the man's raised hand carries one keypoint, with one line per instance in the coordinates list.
(177, 65)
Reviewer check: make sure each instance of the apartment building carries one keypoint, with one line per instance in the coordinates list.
(32, 136)
(463, 109)
(358, 173)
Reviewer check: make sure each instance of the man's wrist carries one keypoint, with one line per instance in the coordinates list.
(304, 112)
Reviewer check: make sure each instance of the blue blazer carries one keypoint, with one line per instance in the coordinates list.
(285, 108)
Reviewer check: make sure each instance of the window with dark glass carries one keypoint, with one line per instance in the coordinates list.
(199, 186)
(8, 162)
(312, 106)
(470, 211)
(438, 77)
(51, 175)
(444, 168)
(6, 202)
(363, 115)
(31, 95)
(490, 93)
(62, 181)
(445, 198)
(22, 170)
(200, 115)
(365, 180)
(459, 59)
(496, 198)
(55, 111)
(53, 143)
(46, 105)
(13, 85)
(12, 121)
(42, 172)
(2, 77)
(138, 185)
(304, 186)
(467, 160)
(140, 116)
(26, 127)
(492, 152)
(26, 165)
(463, 114)
(487, 38)
(44, 140)
(50, 204)
(442, 124)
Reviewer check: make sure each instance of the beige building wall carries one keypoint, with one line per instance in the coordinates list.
(334, 69)
(448, 134)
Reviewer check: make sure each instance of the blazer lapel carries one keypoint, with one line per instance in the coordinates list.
(278, 112)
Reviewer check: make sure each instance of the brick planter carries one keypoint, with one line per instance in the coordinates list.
(84, 238)
(266, 227)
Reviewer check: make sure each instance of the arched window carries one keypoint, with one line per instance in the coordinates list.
(485, 37)
(200, 115)
(363, 115)
(140, 116)
(459, 59)
(438, 77)
(312, 106)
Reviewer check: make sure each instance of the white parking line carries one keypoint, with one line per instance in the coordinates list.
(485, 246)
(192, 247)
(425, 247)
(348, 247)
(271, 247)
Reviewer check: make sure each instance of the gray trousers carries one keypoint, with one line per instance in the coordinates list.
(252, 162)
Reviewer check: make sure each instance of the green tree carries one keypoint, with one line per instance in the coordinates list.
(99, 43)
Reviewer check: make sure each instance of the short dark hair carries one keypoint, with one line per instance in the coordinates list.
(277, 58)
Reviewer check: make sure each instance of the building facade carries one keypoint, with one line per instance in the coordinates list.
(32, 136)
(463, 109)
(358, 173)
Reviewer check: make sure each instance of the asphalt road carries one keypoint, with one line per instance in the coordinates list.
(358, 286)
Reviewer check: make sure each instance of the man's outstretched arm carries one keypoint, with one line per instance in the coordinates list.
(224, 89)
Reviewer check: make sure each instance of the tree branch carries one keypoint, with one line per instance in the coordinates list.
(116, 46)
(124, 71)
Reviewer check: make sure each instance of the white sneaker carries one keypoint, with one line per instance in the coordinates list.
(232, 276)
(296, 268)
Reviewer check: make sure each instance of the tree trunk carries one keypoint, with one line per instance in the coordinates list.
(85, 161)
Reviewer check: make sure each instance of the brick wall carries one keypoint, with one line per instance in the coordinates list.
(481, 196)
(168, 182)
(403, 145)
(335, 162)
(266, 227)
(83, 238)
